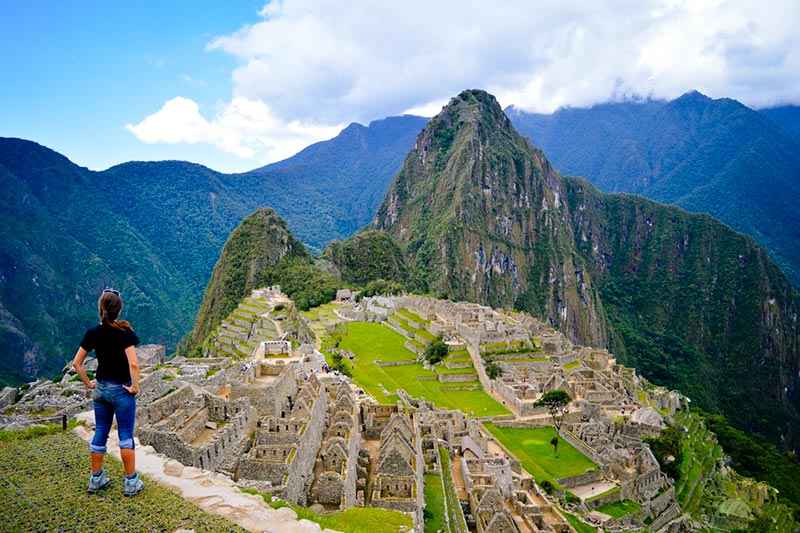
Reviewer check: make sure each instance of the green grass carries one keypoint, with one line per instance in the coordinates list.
(371, 342)
(434, 504)
(355, 519)
(43, 488)
(425, 334)
(413, 316)
(619, 509)
(39, 430)
(579, 526)
(532, 447)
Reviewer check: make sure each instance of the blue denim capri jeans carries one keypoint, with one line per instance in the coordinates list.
(110, 400)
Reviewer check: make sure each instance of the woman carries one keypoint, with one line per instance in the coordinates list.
(114, 391)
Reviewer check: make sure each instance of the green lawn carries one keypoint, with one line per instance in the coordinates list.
(371, 341)
(413, 316)
(532, 447)
(43, 488)
(434, 504)
(579, 525)
(355, 519)
(620, 508)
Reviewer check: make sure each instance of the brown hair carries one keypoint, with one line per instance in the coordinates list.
(108, 307)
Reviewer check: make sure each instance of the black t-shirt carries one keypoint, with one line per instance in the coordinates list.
(109, 344)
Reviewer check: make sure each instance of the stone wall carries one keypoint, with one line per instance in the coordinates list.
(173, 422)
(151, 354)
(268, 400)
(301, 470)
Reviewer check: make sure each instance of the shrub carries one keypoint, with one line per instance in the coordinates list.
(436, 351)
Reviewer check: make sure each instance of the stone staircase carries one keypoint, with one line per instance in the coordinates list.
(242, 330)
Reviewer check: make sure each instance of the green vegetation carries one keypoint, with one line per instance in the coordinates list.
(579, 525)
(668, 450)
(556, 402)
(683, 147)
(755, 458)
(692, 318)
(373, 342)
(39, 430)
(620, 508)
(366, 257)
(355, 519)
(44, 489)
(532, 447)
(260, 252)
(436, 351)
(456, 515)
(434, 505)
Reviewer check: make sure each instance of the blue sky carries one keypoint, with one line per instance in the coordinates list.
(237, 84)
(76, 72)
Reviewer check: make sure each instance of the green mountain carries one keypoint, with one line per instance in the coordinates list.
(480, 214)
(786, 117)
(250, 254)
(707, 156)
(331, 189)
(63, 241)
(368, 256)
(155, 231)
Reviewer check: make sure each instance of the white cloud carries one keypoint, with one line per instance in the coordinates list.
(246, 128)
(308, 65)
(359, 60)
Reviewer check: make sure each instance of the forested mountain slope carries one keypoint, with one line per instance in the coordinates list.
(707, 156)
(155, 230)
(481, 215)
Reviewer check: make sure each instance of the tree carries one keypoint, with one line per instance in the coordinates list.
(336, 332)
(556, 402)
(492, 369)
(436, 351)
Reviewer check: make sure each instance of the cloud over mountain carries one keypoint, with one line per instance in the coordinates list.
(308, 64)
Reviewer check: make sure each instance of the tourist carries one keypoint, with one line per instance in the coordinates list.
(114, 391)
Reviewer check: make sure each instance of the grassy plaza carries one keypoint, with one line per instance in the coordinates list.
(532, 447)
(371, 342)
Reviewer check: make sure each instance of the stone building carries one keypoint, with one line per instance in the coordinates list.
(398, 473)
(196, 428)
(336, 483)
(286, 446)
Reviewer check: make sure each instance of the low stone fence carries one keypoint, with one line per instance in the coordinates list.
(396, 363)
(582, 479)
(455, 378)
(525, 424)
(410, 346)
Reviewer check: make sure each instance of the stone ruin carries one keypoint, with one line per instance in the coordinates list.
(266, 415)
(398, 474)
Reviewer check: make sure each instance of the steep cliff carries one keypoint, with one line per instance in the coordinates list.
(250, 254)
(694, 305)
(481, 216)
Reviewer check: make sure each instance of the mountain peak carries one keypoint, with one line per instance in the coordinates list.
(474, 106)
(475, 201)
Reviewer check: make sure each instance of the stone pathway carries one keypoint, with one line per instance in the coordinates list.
(212, 492)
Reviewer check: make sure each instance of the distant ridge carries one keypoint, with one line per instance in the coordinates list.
(709, 156)
(155, 230)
